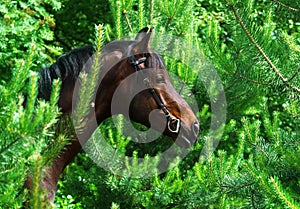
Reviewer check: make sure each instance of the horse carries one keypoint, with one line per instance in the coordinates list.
(119, 59)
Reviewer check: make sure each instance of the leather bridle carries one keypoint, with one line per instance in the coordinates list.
(173, 123)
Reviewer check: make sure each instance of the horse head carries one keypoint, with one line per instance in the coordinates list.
(143, 90)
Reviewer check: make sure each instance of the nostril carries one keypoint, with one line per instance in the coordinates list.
(195, 127)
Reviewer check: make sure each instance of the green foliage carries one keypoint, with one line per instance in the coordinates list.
(23, 23)
(260, 58)
(256, 165)
(88, 84)
(27, 137)
(76, 19)
(254, 46)
(27, 126)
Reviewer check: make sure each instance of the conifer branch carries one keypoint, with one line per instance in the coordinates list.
(257, 46)
(151, 12)
(127, 20)
(118, 19)
(37, 194)
(141, 12)
(286, 6)
(296, 89)
(294, 75)
(237, 187)
(87, 88)
(261, 51)
(281, 194)
(252, 141)
(254, 81)
(11, 144)
(21, 75)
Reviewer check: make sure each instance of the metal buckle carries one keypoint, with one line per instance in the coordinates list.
(141, 60)
(174, 125)
(135, 62)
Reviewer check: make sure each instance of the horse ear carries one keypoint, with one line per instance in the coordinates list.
(141, 34)
(143, 40)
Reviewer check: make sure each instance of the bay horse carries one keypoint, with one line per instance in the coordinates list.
(119, 60)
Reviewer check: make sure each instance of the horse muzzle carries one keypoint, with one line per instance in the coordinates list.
(187, 135)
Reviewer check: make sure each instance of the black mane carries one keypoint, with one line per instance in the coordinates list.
(155, 61)
(68, 65)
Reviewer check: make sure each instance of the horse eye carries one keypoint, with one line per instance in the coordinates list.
(160, 80)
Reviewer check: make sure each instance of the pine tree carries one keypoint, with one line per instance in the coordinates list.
(27, 125)
(254, 48)
(256, 164)
(28, 140)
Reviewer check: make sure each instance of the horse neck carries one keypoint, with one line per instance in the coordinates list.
(110, 81)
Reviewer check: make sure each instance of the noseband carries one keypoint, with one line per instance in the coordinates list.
(173, 123)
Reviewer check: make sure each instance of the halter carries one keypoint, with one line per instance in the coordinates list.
(173, 123)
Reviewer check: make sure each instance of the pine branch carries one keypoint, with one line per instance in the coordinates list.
(253, 139)
(21, 75)
(88, 84)
(151, 12)
(254, 42)
(259, 176)
(294, 75)
(127, 20)
(238, 187)
(37, 200)
(261, 51)
(254, 81)
(118, 19)
(141, 13)
(286, 6)
(283, 195)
